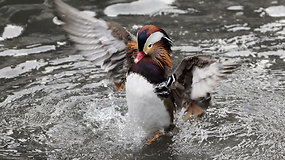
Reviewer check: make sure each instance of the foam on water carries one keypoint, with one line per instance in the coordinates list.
(142, 7)
(276, 11)
(11, 31)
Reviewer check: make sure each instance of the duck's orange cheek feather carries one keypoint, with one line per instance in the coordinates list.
(161, 57)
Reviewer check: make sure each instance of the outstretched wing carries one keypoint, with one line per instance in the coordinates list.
(106, 44)
(196, 77)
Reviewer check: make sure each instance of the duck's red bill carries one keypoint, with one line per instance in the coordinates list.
(139, 57)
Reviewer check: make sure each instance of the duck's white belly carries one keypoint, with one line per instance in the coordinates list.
(143, 104)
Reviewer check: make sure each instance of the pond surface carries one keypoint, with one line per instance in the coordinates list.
(55, 104)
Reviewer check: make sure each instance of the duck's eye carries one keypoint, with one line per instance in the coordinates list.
(149, 46)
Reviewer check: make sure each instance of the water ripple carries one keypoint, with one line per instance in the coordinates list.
(11, 72)
(56, 104)
(24, 52)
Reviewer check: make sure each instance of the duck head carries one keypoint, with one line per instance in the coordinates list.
(155, 45)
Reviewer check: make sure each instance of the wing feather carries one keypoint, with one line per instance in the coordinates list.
(101, 42)
(206, 78)
(196, 78)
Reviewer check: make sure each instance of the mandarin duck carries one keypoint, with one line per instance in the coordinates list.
(139, 64)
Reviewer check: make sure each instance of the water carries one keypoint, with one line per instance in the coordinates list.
(55, 104)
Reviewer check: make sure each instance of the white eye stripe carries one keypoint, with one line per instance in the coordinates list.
(153, 38)
(169, 40)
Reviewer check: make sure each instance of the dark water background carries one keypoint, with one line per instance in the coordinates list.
(55, 104)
